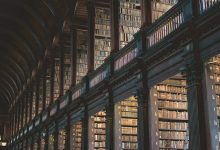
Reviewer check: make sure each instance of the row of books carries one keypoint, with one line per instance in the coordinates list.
(128, 11)
(173, 114)
(171, 88)
(172, 104)
(172, 96)
(172, 135)
(165, 144)
(173, 125)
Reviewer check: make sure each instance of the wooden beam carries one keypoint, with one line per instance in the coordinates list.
(115, 25)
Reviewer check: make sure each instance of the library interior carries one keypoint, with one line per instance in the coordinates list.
(110, 75)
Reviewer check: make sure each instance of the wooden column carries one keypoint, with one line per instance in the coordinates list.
(46, 139)
(68, 131)
(146, 13)
(115, 25)
(85, 123)
(56, 134)
(91, 35)
(110, 121)
(73, 55)
(199, 133)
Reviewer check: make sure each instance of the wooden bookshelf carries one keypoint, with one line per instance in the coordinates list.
(130, 20)
(56, 90)
(102, 35)
(34, 99)
(159, 7)
(48, 86)
(126, 123)
(67, 61)
(98, 131)
(170, 99)
(214, 67)
(76, 136)
(61, 139)
(51, 142)
(40, 98)
(82, 54)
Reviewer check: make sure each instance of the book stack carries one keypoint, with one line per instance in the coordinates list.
(61, 139)
(171, 100)
(127, 111)
(82, 54)
(98, 123)
(102, 35)
(159, 7)
(76, 136)
(56, 90)
(130, 20)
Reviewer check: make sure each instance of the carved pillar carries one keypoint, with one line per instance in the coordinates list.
(91, 34)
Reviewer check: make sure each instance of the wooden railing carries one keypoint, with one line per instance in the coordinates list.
(206, 4)
(168, 23)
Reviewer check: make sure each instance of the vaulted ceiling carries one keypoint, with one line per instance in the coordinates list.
(27, 28)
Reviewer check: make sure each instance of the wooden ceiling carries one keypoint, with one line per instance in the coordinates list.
(26, 31)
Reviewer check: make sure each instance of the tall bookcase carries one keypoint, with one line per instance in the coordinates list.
(214, 92)
(51, 142)
(48, 83)
(40, 100)
(61, 139)
(102, 35)
(126, 119)
(171, 113)
(159, 7)
(82, 54)
(67, 60)
(56, 90)
(130, 20)
(97, 133)
(76, 136)
(34, 99)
